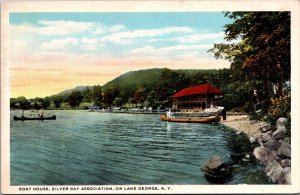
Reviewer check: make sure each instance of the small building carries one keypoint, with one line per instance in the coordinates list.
(197, 97)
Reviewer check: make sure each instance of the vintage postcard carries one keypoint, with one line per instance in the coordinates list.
(150, 97)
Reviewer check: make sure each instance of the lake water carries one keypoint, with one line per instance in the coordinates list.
(83, 148)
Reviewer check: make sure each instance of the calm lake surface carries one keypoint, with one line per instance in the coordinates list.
(83, 148)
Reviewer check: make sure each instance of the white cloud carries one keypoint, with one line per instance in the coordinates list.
(117, 28)
(115, 39)
(89, 41)
(100, 29)
(143, 50)
(61, 27)
(89, 44)
(124, 37)
(58, 44)
(200, 37)
(157, 32)
(57, 27)
(171, 50)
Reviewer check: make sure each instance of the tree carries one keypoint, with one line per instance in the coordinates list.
(263, 51)
(139, 96)
(110, 94)
(22, 102)
(75, 98)
(118, 102)
(57, 100)
(170, 83)
(97, 96)
(87, 94)
(125, 94)
(46, 102)
(13, 103)
(151, 98)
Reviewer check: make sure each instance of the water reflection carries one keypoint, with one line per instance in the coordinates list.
(169, 127)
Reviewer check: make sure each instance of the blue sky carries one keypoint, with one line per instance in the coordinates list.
(213, 21)
(96, 47)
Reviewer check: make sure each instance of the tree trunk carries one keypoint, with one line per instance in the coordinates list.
(280, 85)
(280, 80)
(267, 85)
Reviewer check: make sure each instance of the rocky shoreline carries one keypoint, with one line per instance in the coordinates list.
(272, 146)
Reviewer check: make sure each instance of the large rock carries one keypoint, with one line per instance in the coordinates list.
(266, 136)
(213, 164)
(272, 144)
(281, 122)
(285, 163)
(264, 155)
(275, 171)
(284, 150)
(264, 127)
(286, 170)
(279, 133)
(252, 140)
(286, 179)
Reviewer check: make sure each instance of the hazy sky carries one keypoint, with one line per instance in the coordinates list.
(51, 52)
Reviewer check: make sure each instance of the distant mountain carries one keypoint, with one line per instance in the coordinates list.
(78, 88)
(135, 79)
(147, 77)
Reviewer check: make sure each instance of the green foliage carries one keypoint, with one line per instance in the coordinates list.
(46, 102)
(118, 102)
(237, 88)
(75, 98)
(139, 96)
(279, 107)
(87, 94)
(264, 50)
(239, 143)
(134, 79)
(65, 106)
(109, 95)
(257, 177)
(96, 95)
(57, 100)
(151, 101)
(156, 93)
(85, 105)
(169, 83)
(19, 102)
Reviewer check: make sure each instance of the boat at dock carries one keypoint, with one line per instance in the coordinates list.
(209, 119)
(34, 118)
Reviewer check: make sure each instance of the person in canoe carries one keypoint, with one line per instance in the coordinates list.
(22, 115)
(170, 114)
(42, 115)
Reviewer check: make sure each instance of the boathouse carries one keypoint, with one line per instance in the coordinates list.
(197, 97)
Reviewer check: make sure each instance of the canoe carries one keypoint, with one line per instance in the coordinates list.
(34, 119)
(209, 119)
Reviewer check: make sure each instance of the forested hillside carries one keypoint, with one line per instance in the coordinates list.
(151, 87)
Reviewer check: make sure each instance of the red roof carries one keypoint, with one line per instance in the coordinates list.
(199, 89)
